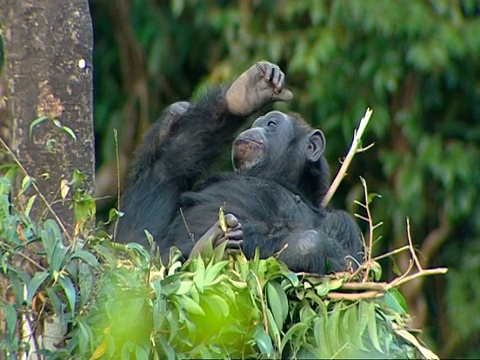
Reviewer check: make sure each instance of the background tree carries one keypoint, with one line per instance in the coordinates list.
(48, 71)
(415, 64)
(46, 114)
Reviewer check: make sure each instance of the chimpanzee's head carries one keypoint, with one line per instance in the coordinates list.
(283, 147)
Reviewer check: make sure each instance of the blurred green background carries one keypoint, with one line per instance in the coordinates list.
(416, 63)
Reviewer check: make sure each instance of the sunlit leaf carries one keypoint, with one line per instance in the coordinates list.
(100, 350)
(64, 188)
(69, 131)
(191, 306)
(29, 206)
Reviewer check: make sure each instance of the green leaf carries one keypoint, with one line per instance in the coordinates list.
(168, 350)
(372, 326)
(212, 271)
(58, 258)
(57, 303)
(350, 324)
(36, 282)
(89, 258)
(26, 183)
(77, 179)
(321, 336)
(171, 284)
(69, 290)
(69, 131)
(273, 329)
(141, 353)
(333, 327)
(185, 287)
(149, 237)
(50, 237)
(190, 305)
(278, 303)
(10, 320)
(29, 206)
(395, 300)
(35, 123)
(199, 277)
(376, 270)
(263, 341)
(297, 328)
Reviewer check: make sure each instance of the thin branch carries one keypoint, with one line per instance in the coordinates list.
(355, 296)
(262, 301)
(117, 158)
(390, 253)
(356, 286)
(412, 249)
(17, 161)
(423, 272)
(354, 148)
(30, 260)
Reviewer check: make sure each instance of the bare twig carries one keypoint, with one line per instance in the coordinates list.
(390, 253)
(117, 158)
(411, 247)
(17, 161)
(421, 273)
(192, 235)
(355, 296)
(354, 148)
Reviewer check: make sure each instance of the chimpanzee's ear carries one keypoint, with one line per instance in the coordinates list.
(315, 146)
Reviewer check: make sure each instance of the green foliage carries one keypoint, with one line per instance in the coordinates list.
(218, 308)
(46, 276)
(121, 301)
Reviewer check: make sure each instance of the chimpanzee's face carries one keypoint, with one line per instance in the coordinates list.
(264, 144)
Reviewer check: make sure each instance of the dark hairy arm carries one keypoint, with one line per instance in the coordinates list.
(184, 142)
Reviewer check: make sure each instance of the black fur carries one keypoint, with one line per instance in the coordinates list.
(281, 177)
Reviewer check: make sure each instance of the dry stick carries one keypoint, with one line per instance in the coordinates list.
(397, 282)
(390, 253)
(60, 223)
(357, 136)
(117, 159)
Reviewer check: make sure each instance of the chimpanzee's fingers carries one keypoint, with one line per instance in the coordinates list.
(232, 221)
(276, 79)
(234, 245)
(234, 234)
(285, 95)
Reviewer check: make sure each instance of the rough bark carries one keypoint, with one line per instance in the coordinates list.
(48, 65)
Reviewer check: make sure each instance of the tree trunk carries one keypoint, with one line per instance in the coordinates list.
(48, 65)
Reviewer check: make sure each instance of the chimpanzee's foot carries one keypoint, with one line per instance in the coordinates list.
(233, 237)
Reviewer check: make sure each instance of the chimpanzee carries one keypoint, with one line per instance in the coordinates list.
(272, 200)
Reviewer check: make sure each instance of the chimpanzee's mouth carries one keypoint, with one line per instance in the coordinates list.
(246, 154)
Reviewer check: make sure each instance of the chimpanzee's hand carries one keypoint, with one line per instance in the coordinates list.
(260, 84)
(232, 236)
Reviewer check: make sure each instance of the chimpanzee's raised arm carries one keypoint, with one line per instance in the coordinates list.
(188, 138)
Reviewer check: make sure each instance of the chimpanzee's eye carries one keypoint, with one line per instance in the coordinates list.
(271, 123)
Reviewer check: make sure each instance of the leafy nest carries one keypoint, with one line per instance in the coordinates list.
(210, 307)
